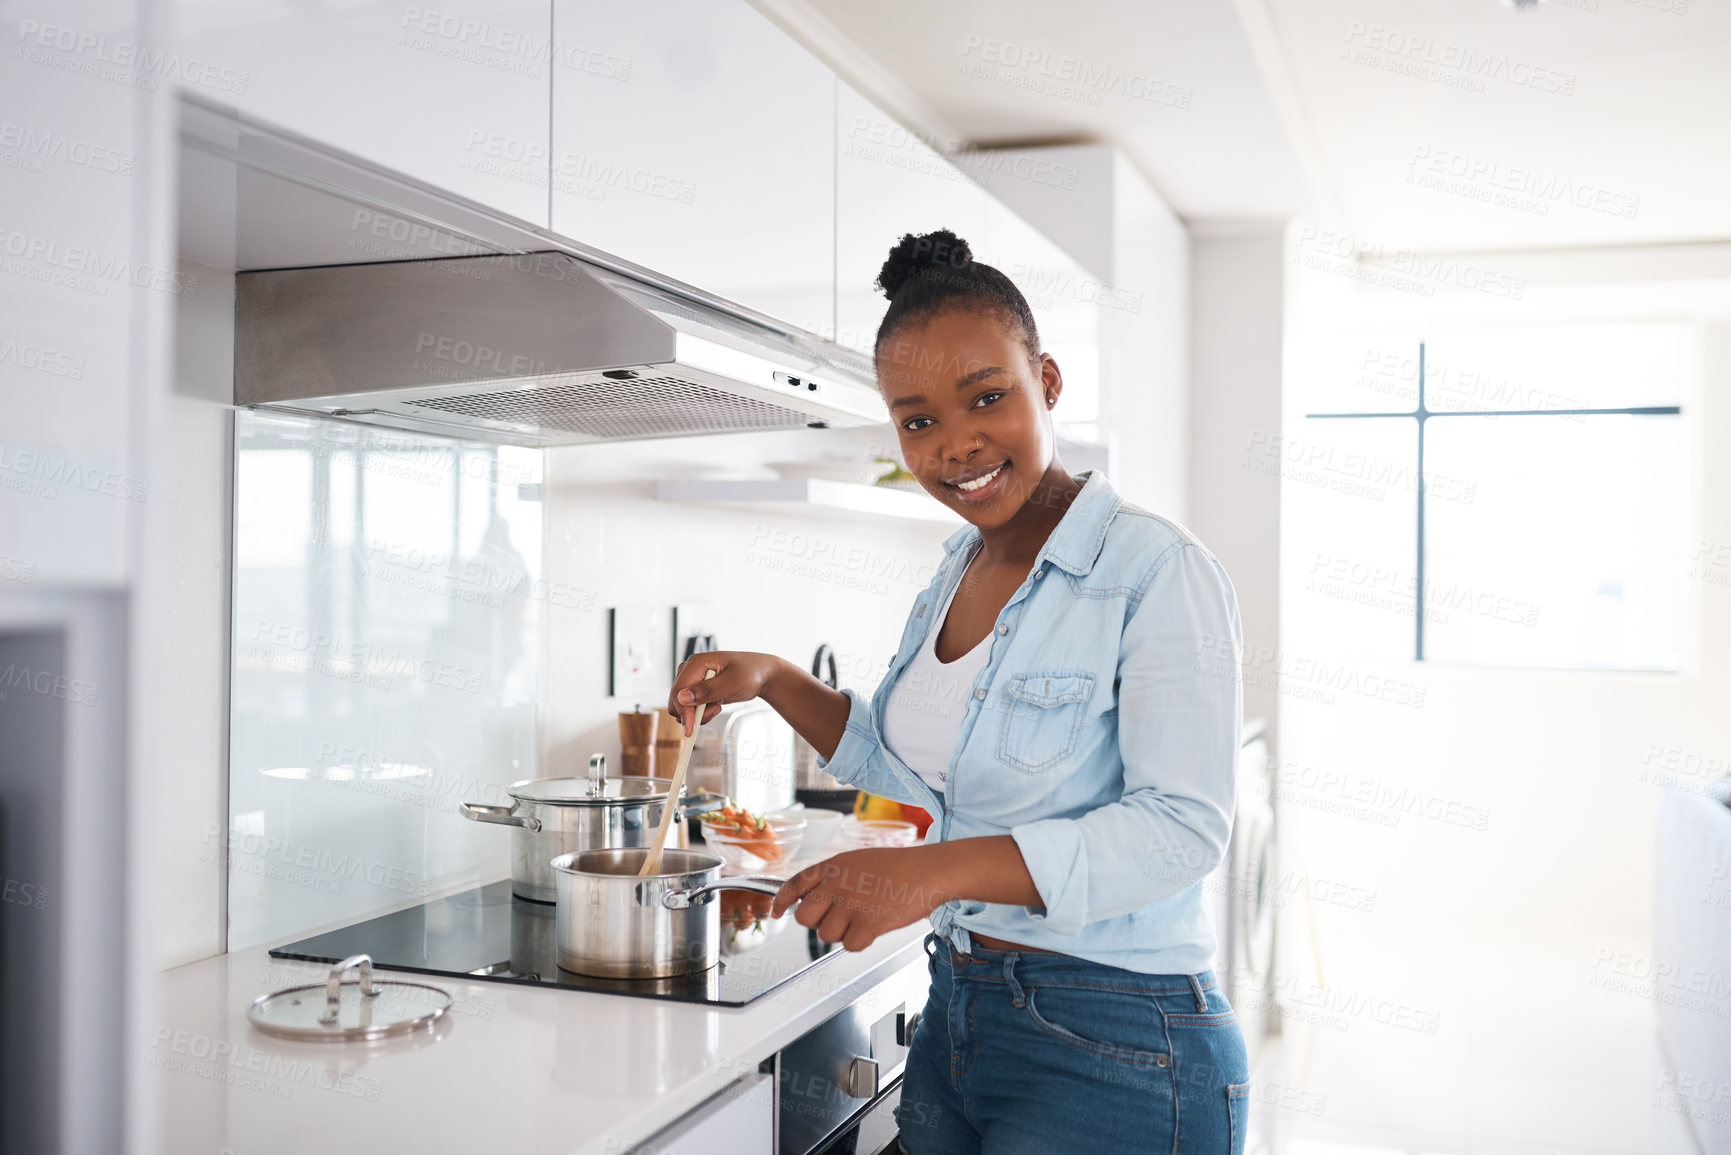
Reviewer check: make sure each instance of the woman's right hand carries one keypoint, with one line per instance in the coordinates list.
(714, 679)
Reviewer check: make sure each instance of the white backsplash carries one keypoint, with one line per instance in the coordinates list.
(779, 580)
(387, 617)
(419, 623)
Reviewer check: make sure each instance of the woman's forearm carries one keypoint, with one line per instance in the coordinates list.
(989, 869)
(818, 713)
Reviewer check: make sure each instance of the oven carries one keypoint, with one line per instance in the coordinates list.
(836, 1087)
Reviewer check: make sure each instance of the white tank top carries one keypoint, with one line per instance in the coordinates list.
(924, 713)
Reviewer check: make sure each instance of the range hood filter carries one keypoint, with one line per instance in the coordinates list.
(630, 409)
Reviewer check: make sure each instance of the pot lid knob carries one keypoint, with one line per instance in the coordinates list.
(597, 775)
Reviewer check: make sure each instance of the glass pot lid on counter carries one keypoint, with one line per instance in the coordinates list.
(344, 1012)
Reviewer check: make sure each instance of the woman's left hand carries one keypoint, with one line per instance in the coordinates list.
(858, 895)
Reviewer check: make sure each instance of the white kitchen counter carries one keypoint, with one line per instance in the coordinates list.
(515, 1069)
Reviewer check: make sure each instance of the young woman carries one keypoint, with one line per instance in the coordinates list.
(1065, 702)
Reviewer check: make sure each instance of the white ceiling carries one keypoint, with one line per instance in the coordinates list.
(1310, 103)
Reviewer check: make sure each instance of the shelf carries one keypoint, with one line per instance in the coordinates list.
(816, 492)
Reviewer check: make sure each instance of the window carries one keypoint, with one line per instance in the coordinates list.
(1550, 495)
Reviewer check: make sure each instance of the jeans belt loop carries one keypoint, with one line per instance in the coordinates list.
(1010, 961)
(930, 944)
(1201, 995)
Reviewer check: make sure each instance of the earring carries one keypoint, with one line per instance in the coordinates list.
(1051, 401)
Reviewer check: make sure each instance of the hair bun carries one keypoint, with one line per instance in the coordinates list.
(940, 249)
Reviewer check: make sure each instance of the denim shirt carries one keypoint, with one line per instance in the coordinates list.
(1102, 735)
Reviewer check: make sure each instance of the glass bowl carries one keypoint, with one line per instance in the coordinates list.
(821, 827)
(858, 835)
(739, 856)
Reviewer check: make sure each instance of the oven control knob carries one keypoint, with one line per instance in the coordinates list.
(862, 1078)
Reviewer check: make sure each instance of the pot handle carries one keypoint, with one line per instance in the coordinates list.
(762, 883)
(502, 815)
(694, 804)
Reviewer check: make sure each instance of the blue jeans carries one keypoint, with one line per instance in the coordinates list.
(1044, 1053)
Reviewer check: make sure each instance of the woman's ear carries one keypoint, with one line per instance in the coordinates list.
(1051, 380)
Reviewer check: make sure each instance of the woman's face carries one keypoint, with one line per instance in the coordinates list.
(971, 411)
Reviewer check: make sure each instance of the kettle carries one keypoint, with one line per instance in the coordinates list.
(806, 773)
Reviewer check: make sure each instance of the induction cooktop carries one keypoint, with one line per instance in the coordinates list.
(487, 933)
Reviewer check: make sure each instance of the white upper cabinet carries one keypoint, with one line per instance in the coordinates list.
(454, 94)
(697, 139)
(888, 182)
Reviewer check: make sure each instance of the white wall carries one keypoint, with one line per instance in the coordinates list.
(1237, 313)
(1145, 347)
(777, 582)
(183, 615)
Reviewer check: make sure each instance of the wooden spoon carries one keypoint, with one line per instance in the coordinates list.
(652, 860)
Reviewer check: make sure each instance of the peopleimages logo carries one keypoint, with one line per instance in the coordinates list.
(16, 569)
(1068, 77)
(47, 683)
(1457, 389)
(1049, 284)
(324, 869)
(1313, 678)
(502, 47)
(238, 1065)
(42, 470)
(1541, 189)
(1407, 270)
(29, 355)
(1444, 62)
(294, 648)
(39, 145)
(1349, 472)
(483, 359)
(105, 58)
(86, 269)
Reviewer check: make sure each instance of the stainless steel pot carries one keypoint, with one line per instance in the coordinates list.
(554, 816)
(613, 923)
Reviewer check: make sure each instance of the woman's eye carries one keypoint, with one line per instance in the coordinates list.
(986, 399)
(915, 424)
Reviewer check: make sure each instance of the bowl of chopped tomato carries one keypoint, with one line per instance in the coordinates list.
(751, 842)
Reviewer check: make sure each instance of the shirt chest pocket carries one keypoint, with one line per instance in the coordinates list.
(1043, 718)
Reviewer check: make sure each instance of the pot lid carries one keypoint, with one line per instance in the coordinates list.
(588, 791)
(338, 1011)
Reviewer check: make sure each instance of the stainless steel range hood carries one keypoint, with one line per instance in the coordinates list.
(529, 349)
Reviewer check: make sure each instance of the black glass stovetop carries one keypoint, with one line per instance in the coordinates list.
(486, 933)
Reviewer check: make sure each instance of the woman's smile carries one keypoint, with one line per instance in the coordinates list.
(980, 485)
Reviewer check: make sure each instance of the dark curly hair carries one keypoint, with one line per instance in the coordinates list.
(931, 272)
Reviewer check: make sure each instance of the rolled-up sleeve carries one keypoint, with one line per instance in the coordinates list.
(1179, 711)
(858, 745)
(859, 756)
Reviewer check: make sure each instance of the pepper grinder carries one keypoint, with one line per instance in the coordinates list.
(638, 747)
